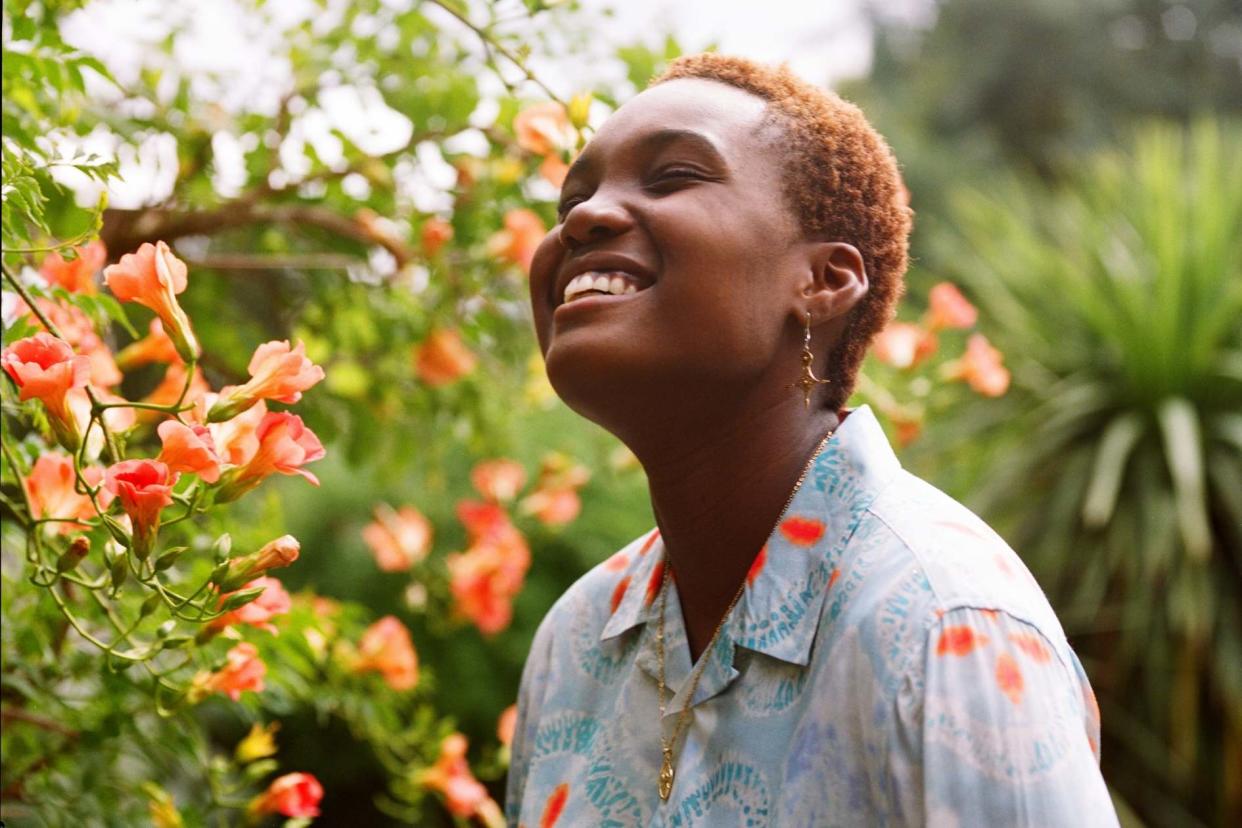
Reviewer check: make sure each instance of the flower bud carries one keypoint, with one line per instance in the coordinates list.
(219, 572)
(169, 558)
(241, 598)
(222, 547)
(116, 530)
(275, 554)
(150, 605)
(71, 557)
(118, 571)
(205, 634)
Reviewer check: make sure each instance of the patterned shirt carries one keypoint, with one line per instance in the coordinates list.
(891, 662)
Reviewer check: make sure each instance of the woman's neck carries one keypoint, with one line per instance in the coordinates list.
(717, 494)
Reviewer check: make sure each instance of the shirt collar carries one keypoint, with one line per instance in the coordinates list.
(779, 612)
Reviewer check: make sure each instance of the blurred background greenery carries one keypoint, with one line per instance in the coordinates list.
(1076, 167)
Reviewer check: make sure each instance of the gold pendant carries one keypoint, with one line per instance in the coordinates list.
(666, 775)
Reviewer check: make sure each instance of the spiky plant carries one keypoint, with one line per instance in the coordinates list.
(1114, 464)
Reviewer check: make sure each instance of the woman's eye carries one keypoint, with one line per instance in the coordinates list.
(568, 204)
(677, 173)
(671, 179)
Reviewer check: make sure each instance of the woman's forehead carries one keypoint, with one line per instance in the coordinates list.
(723, 116)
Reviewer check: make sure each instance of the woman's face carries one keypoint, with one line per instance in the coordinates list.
(677, 201)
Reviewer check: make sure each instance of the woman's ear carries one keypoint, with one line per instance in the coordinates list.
(837, 281)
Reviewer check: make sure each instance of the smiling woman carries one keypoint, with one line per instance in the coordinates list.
(811, 635)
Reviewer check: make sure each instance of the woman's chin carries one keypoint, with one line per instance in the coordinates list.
(604, 386)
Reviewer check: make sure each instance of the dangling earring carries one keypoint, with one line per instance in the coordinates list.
(808, 380)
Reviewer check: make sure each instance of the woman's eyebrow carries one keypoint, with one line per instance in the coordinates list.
(654, 142)
(664, 137)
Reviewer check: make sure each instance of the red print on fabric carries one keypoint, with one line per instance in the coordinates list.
(617, 562)
(556, 804)
(832, 579)
(959, 640)
(802, 531)
(755, 568)
(649, 542)
(1009, 677)
(1032, 646)
(653, 585)
(619, 592)
(962, 527)
(1093, 718)
(1003, 565)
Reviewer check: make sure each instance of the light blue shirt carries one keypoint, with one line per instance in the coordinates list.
(891, 662)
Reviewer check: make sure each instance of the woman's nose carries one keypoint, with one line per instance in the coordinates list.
(596, 219)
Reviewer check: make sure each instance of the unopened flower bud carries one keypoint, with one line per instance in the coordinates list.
(118, 571)
(222, 547)
(241, 598)
(280, 552)
(73, 556)
(149, 606)
(116, 530)
(169, 558)
(275, 554)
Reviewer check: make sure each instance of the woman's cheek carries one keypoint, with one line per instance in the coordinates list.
(543, 268)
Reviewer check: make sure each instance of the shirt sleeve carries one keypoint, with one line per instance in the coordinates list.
(1002, 729)
(529, 705)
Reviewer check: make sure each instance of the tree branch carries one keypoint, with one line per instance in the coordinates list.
(127, 229)
(286, 261)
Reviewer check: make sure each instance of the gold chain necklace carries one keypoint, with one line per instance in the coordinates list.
(667, 771)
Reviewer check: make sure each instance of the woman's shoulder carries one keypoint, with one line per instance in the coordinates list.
(964, 561)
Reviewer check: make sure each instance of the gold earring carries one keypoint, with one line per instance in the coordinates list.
(808, 380)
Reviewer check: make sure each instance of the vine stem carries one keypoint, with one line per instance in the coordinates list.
(30, 303)
(34, 538)
(487, 39)
(75, 241)
(123, 632)
(16, 467)
(73, 621)
(114, 453)
(167, 409)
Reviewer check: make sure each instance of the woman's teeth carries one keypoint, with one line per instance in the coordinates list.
(615, 284)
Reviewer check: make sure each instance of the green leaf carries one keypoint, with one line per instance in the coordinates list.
(116, 313)
(1183, 447)
(1116, 444)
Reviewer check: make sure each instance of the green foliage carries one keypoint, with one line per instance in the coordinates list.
(43, 82)
(1116, 460)
(643, 64)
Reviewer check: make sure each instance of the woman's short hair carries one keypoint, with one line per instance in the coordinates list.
(841, 181)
